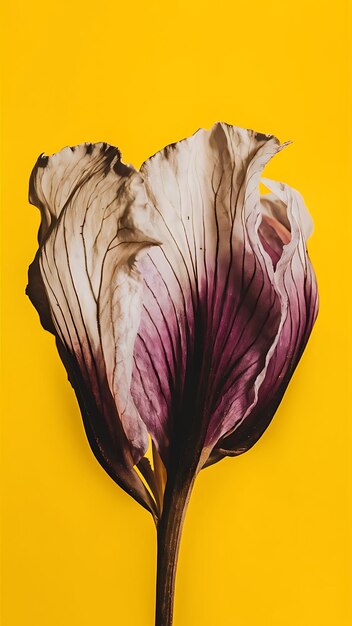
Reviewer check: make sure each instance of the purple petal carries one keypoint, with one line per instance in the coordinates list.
(296, 284)
(213, 308)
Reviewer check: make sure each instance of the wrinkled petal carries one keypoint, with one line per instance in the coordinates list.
(55, 179)
(95, 223)
(296, 283)
(213, 306)
(274, 230)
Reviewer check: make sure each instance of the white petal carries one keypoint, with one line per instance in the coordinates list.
(102, 223)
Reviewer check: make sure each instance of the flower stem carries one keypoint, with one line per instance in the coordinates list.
(169, 535)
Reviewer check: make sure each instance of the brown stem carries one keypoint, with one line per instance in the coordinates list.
(169, 535)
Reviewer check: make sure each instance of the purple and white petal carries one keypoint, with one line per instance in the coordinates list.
(296, 283)
(211, 310)
(95, 224)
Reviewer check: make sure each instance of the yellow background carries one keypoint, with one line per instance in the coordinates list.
(267, 539)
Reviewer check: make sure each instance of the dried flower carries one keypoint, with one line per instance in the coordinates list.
(181, 301)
